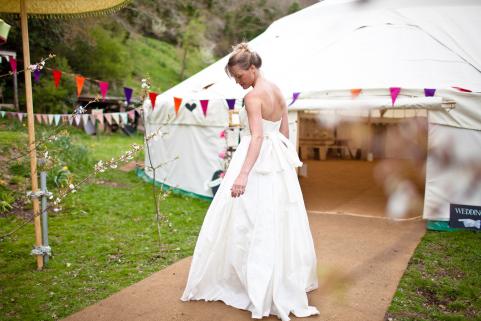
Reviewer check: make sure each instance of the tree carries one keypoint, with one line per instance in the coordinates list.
(192, 39)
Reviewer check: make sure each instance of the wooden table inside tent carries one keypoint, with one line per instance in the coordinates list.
(341, 147)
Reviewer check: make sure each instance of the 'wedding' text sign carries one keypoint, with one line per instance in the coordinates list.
(465, 216)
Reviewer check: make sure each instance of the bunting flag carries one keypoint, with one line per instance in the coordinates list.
(36, 75)
(153, 97)
(104, 86)
(77, 120)
(108, 118)
(13, 63)
(38, 117)
(57, 74)
(428, 92)
(132, 115)
(204, 103)
(100, 118)
(56, 119)
(3, 113)
(79, 80)
(128, 94)
(230, 103)
(124, 118)
(394, 93)
(85, 118)
(70, 120)
(464, 90)
(65, 119)
(45, 119)
(294, 97)
(19, 115)
(116, 117)
(177, 103)
(50, 119)
(355, 92)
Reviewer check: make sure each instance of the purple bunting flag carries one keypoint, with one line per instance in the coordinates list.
(428, 92)
(128, 94)
(294, 97)
(230, 103)
(36, 75)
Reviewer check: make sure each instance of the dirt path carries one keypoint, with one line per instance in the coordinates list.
(360, 263)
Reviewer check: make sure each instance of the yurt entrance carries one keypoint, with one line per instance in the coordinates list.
(369, 163)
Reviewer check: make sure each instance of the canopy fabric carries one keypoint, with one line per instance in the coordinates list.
(336, 45)
(63, 7)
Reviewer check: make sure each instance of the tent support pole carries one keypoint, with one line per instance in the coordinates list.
(31, 129)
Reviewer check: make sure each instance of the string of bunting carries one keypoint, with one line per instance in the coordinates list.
(55, 119)
(104, 86)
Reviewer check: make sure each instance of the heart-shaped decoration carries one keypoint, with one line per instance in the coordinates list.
(190, 107)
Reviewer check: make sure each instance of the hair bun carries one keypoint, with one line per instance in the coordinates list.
(243, 46)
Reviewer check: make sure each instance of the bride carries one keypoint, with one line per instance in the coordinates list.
(255, 249)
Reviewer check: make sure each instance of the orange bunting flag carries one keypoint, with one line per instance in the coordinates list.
(57, 74)
(153, 97)
(355, 92)
(80, 83)
(177, 103)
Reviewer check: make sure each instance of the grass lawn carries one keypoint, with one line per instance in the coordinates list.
(442, 281)
(103, 240)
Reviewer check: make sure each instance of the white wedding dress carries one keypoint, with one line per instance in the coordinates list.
(256, 252)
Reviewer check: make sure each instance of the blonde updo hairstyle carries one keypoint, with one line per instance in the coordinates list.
(243, 57)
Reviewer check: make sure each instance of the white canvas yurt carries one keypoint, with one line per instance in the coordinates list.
(374, 59)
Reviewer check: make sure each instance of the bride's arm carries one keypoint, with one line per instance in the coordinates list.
(254, 115)
(253, 107)
(284, 129)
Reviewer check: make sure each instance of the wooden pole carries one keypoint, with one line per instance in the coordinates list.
(15, 91)
(31, 129)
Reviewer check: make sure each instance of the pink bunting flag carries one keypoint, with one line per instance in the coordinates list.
(100, 118)
(294, 98)
(204, 103)
(104, 86)
(57, 74)
(45, 119)
(394, 93)
(39, 118)
(13, 63)
(132, 115)
(153, 97)
(20, 116)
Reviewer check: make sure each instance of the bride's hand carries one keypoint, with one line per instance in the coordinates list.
(239, 186)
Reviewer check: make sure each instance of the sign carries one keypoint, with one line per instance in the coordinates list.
(465, 216)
